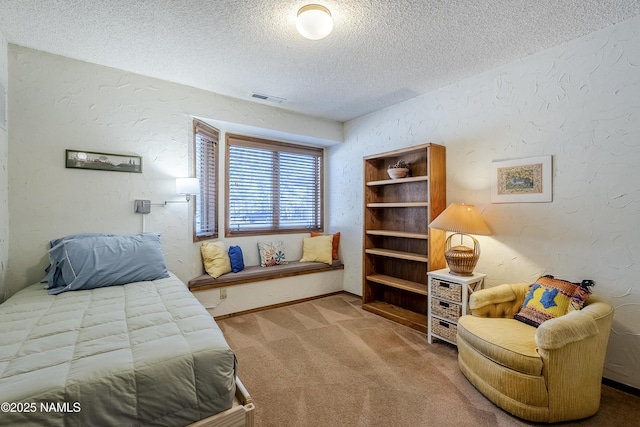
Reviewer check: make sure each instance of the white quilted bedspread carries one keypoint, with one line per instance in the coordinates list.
(145, 353)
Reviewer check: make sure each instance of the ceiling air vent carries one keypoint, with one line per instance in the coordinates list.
(268, 98)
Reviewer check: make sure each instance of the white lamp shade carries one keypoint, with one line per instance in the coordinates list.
(314, 21)
(187, 186)
(461, 218)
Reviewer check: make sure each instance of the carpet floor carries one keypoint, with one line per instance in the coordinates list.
(326, 362)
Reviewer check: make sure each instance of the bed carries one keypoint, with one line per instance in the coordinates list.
(141, 353)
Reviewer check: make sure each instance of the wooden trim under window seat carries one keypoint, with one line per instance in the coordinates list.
(255, 273)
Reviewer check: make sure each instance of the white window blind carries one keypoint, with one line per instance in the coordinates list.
(272, 187)
(205, 223)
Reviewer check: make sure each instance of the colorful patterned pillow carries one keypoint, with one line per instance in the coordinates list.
(549, 298)
(271, 253)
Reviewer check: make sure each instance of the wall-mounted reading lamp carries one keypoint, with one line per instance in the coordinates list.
(186, 187)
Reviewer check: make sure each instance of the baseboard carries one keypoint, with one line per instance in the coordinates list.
(282, 304)
(351, 294)
(622, 387)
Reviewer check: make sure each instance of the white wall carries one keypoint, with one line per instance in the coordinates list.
(4, 176)
(579, 102)
(249, 296)
(58, 103)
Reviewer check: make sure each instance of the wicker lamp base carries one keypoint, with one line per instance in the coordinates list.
(461, 259)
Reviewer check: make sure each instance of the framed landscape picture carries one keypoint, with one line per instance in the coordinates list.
(102, 161)
(521, 180)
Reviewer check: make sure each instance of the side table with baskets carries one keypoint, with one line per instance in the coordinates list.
(448, 299)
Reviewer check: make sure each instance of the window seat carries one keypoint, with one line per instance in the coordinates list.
(255, 273)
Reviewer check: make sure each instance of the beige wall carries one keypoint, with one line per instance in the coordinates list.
(4, 177)
(580, 103)
(58, 103)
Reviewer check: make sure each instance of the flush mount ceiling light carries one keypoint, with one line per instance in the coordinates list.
(314, 21)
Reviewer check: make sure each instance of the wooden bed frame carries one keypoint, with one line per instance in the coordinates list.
(240, 415)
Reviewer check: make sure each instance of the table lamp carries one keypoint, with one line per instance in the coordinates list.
(462, 220)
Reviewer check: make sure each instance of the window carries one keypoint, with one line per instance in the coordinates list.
(272, 187)
(205, 222)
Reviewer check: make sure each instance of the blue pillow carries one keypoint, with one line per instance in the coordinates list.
(235, 255)
(51, 270)
(55, 242)
(89, 262)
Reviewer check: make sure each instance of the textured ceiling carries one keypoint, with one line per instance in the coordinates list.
(380, 52)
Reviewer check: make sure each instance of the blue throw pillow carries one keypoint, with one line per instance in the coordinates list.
(235, 255)
(55, 242)
(90, 262)
(51, 270)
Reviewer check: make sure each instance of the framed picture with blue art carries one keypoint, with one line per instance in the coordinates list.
(77, 159)
(525, 180)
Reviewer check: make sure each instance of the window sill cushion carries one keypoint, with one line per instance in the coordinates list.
(255, 273)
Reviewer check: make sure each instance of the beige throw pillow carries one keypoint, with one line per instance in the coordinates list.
(215, 258)
(317, 249)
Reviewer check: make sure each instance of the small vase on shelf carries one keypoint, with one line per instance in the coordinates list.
(398, 170)
(395, 173)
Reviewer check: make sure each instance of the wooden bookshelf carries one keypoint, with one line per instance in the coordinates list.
(398, 254)
(399, 248)
(418, 288)
(391, 233)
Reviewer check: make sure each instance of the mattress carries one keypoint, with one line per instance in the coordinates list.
(144, 353)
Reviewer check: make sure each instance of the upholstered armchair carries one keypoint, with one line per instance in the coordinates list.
(546, 374)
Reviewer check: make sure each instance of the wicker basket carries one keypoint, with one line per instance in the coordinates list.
(448, 310)
(444, 329)
(446, 290)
